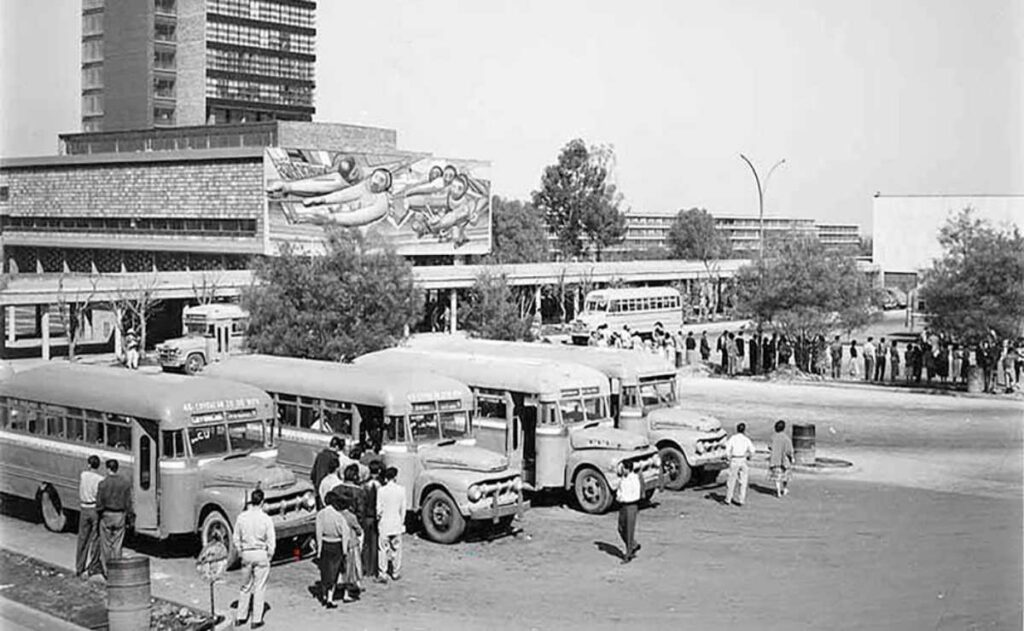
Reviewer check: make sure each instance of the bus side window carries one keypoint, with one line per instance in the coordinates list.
(54, 426)
(336, 419)
(33, 423)
(94, 433)
(17, 418)
(393, 431)
(4, 414)
(287, 410)
(309, 412)
(119, 436)
(490, 408)
(145, 461)
(75, 428)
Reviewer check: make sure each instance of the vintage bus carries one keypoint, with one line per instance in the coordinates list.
(422, 421)
(550, 418)
(194, 449)
(210, 333)
(640, 308)
(644, 400)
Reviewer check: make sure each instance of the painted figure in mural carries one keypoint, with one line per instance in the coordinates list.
(357, 205)
(461, 208)
(345, 173)
(432, 193)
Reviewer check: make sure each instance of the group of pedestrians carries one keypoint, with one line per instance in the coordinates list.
(106, 513)
(740, 450)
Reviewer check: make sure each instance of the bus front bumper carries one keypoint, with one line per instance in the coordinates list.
(494, 513)
(296, 528)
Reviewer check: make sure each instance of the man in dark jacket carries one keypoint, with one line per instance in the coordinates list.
(116, 511)
(705, 346)
(321, 466)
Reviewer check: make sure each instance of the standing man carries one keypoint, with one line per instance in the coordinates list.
(691, 348)
(869, 359)
(741, 352)
(321, 465)
(87, 556)
(255, 539)
(114, 506)
(131, 345)
(836, 350)
(740, 450)
(705, 346)
(881, 353)
(391, 510)
(628, 496)
(329, 482)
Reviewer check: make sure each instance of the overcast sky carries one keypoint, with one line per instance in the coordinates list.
(897, 96)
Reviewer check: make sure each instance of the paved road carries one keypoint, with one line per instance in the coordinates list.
(924, 532)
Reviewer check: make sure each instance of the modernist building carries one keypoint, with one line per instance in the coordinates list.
(164, 63)
(645, 231)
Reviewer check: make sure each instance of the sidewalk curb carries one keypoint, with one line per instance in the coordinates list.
(32, 618)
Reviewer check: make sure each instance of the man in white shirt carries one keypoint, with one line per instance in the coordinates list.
(255, 540)
(87, 557)
(869, 359)
(391, 508)
(331, 480)
(628, 496)
(740, 450)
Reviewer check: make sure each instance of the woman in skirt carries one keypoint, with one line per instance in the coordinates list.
(780, 459)
(353, 567)
(332, 532)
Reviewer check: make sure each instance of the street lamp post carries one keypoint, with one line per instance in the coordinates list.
(762, 188)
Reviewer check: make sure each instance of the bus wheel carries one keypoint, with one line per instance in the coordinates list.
(194, 363)
(675, 468)
(215, 527)
(54, 517)
(592, 492)
(441, 518)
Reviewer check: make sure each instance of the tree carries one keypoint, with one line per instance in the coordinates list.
(519, 232)
(977, 286)
(579, 201)
(357, 298)
(138, 302)
(693, 237)
(74, 308)
(803, 289)
(494, 311)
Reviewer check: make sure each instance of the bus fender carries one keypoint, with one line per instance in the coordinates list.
(230, 501)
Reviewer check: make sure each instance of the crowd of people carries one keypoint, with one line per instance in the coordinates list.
(360, 521)
(927, 358)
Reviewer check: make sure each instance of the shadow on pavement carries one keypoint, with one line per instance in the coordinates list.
(763, 490)
(610, 550)
(717, 497)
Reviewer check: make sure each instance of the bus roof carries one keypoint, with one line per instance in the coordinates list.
(217, 310)
(632, 292)
(545, 378)
(154, 396)
(393, 390)
(626, 365)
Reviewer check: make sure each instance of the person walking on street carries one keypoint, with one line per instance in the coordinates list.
(740, 450)
(87, 555)
(780, 459)
(628, 496)
(391, 509)
(116, 512)
(131, 345)
(255, 540)
(332, 537)
(881, 354)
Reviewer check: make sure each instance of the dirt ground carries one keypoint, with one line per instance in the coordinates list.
(924, 531)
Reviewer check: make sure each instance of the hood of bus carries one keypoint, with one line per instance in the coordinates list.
(605, 438)
(678, 418)
(465, 457)
(247, 471)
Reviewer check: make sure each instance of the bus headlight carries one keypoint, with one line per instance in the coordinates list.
(309, 500)
(474, 493)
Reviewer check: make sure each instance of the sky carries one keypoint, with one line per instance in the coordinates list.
(858, 96)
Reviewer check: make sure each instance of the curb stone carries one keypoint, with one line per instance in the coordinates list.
(32, 618)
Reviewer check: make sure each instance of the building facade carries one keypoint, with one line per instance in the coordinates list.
(165, 63)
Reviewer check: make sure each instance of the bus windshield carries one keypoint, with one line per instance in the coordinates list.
(230, 438)
(578, 410)
(198, 327)
(599, 304)
(429, 428)
(658, 394)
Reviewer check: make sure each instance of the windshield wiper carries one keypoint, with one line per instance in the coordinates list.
(240, 454)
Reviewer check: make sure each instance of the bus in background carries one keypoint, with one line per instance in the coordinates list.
(644, 400)
(194, 449)
(421, 421)
(551, 418)
(640, 308)
(210, 333)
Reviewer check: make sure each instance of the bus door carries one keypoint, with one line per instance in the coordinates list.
(525, 422)
(144, 478)
(514, 437)
(222, 333)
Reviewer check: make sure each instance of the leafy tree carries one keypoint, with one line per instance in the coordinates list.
(578, 200)
(977, 286)
(693, 237)
(802, 288)
(357, 298)
(495, 311)
(519, 232)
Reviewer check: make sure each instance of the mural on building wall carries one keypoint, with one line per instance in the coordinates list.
(423, 204)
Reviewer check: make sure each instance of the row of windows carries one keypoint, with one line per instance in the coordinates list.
(331, 417)
(253, 63)
(73, 424)
(645, 304)
(88, 5)
(92, 77)
(163, 115)
(164, 60)
(163, 87)
(29, 260)
(258, 37)
(133, 225)
(164, 32)
(262, 10)
(92, 104)
(92, 50)
(234, 89)
(165, 6)
(95, 125)
(92, 23)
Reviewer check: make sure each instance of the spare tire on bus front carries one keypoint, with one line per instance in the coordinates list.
(50, 507)
(441, 518)
(215, 526)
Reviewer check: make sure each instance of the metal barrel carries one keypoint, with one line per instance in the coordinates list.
(803, 444)
(128, 594)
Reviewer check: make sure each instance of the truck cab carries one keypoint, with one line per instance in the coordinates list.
(209, 333)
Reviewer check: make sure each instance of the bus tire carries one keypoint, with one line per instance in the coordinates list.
(194, 363)
(441, 518)
(216, 527)
(55, 518)
(592, 493)
(676, 469)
